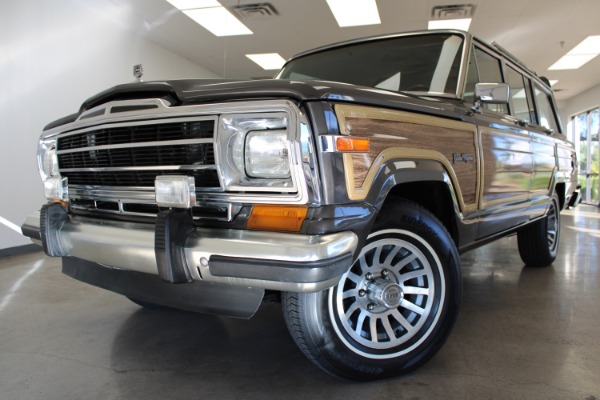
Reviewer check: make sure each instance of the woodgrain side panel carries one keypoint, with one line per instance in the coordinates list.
(508, 167)
(413, 135)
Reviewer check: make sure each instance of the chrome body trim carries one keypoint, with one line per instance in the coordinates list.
(157, 168)
(135, 194)
(130, 246)
(328, 143)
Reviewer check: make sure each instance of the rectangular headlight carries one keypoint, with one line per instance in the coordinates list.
(254, 152)
(175, 191)
(266, 154)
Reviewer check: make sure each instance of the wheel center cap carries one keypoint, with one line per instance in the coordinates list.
(385, 293)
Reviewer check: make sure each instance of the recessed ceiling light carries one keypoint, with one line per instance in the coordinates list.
(585, 51)
(267, 61)
(461, 24)
(219, 21)
(354, 12)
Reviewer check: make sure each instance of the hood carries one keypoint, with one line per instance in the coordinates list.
(198, 91)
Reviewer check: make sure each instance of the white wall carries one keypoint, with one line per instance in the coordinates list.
(53, 55)
(580, 103)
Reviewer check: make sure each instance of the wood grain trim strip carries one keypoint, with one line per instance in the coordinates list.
(409, 136)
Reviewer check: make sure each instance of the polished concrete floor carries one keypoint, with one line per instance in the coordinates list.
(523, 333)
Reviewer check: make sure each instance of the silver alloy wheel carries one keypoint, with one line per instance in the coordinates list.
(384, 301)
(552, 227)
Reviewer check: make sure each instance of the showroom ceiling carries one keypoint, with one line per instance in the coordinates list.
(539, 32)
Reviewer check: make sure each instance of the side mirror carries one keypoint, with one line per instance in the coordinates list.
(490, 93)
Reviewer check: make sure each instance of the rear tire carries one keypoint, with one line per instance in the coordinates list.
(538, 242)
(395, 307)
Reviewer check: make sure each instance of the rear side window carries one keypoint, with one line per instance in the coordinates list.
(545, 111)
(520, 96)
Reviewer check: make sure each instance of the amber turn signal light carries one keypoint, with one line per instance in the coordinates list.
(277, 218)
(350, 144)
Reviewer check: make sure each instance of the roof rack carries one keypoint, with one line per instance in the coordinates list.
(512, 58)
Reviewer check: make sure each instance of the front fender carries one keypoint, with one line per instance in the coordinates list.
(400, 171)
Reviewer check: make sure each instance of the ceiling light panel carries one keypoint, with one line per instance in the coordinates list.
(267, 61)
(219, 21)
(212, 16)
(589, 45)
(572, 61)
(462, 24)
(191, 4)
(354, 12)
(585, 51)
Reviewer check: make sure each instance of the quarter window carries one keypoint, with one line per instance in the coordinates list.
(522, 105)
(546, 115)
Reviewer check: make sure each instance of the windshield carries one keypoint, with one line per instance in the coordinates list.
(426, 64)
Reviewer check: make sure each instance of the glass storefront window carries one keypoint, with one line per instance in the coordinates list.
(586, 137)
(594, 154)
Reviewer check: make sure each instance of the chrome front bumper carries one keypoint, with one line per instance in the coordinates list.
(268, 260)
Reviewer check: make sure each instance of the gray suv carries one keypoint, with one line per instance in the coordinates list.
(346, 188)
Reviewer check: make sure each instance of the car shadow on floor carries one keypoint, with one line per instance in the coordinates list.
(155, 349)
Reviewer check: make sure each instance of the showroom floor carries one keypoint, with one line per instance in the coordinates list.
(523, 333)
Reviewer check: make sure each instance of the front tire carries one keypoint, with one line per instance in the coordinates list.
(395, 307)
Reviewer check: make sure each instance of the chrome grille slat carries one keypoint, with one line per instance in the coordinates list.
(155, 168)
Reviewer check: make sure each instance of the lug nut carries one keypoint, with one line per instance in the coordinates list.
(370, 306)
(385, 273)
(362, 292)
(369, 276)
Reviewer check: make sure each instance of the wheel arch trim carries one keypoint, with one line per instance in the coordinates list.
(402, 165)
(395, 171)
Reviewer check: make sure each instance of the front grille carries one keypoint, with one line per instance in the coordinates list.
(139, 134)
(133, 155)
